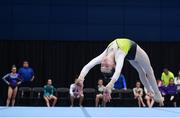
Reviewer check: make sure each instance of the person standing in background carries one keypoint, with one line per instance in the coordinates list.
(12, 79)
(166, 76)
(120, 83)
(27, 74)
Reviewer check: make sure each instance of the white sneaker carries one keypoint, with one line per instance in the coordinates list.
(172, 97)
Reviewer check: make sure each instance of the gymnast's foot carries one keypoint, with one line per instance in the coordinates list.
(159, 99)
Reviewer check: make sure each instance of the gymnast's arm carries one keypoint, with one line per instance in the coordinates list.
(119, 59)
(20, 79)
(91, 64)
(71, 90)
(4, 79)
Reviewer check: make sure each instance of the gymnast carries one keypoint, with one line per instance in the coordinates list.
(12, 79)
(112, 60)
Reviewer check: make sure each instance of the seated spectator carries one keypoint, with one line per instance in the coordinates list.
(49, 94)
(159, 83)
(170, 92)
(120, 83)
(100, 89)
(166, 76)
(177, 82)
(27, 74)
(160, 86)
(76, 93)
(138, 93)
(149, 98)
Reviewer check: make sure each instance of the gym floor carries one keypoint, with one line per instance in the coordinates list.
(69, 112)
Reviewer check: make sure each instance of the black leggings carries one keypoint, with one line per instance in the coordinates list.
(132, 52)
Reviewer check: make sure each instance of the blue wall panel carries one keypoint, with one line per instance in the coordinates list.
(141, 20)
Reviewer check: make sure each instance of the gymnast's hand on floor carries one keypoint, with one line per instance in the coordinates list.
(107, 92)
(79, 82)
(107, 95)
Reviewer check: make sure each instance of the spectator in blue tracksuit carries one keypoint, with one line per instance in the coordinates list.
(170, 92)
(120, 83)
(27, 74)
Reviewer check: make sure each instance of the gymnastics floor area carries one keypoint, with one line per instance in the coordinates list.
(88, 112)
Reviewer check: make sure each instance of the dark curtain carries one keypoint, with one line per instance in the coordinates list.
(63, 60)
